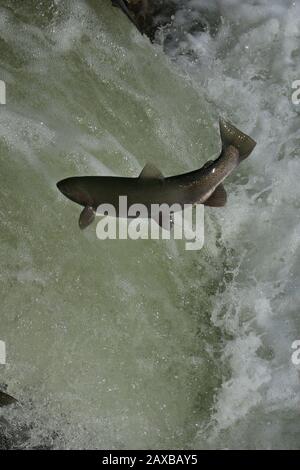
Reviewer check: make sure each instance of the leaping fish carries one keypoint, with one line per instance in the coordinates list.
(202, 186)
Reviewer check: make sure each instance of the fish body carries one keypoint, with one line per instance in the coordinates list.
(202, 186)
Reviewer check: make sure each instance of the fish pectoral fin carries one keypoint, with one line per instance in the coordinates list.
(86, 217)
(151, 172)
(218, 197)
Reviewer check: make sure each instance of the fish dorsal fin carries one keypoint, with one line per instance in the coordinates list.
(86, 217)
(218, 197)
(150, 172)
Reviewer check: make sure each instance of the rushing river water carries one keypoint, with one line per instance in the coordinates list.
(141, 344)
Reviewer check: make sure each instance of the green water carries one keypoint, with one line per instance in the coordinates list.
(142, 344)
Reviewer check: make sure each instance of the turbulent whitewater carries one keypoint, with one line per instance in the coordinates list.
(140, 344)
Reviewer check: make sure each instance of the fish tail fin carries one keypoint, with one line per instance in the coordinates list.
(230, 135)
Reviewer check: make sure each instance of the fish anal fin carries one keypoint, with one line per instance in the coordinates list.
(150, 172)
(218, 197)
(86, 217)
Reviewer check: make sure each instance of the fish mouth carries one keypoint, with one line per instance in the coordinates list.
(74, 192)
(59, 185)
(63, 187)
